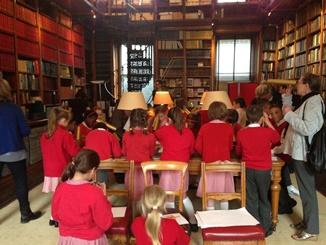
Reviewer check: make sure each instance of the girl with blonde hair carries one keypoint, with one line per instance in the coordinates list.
(58, 146)
(151, 228)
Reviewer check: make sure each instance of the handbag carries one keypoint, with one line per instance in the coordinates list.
(316, 150)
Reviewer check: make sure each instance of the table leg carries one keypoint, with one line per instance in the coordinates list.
(275, 189)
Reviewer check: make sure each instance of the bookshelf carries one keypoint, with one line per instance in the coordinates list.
(34, 45)
(269, 53)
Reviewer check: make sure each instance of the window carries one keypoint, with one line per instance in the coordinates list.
(233, 59)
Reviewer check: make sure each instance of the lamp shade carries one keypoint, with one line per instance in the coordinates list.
(202, 98)
(132, 100)
(162, 98)
(220, 96)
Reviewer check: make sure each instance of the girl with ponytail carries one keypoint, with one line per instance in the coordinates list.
(80, 207)
(58, 146)
(151, 228)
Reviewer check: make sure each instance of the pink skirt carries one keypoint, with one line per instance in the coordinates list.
(68, 240)
(50, 184)
(139, 182)
(170, 181)
(217, 182)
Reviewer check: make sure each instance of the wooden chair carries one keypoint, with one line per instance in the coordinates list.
(244, 235)
(168, 166)
(120, 229)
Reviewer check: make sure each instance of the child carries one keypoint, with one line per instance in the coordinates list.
(239, 104)
(86, 126)
(254, 145)
(161, 118)
(178, 144)
(214, 142)
(232, 118)
(138, 145)
(151, 228)
(58, 146)
(83, 212)
(105, 144)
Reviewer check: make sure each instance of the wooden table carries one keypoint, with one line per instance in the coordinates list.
(195, 169)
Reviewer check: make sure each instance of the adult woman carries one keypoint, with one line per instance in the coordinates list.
(311, 107)
(12, 153)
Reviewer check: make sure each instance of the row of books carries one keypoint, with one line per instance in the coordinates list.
(299, 71)
(269, 45)
(314, 68)
(281, 65)
(163, 44)
(172, 83)
(195, 92)
(289, 74)
(290, 38)
(171, 16)
(315, 24)
(301, 46)
(301, 32)
(289, 25)
(198, 53)
(195, 2)
(313, 55)
(268, 67)
(268, 56)
(198, 82)
(324, 68)
(300, 60)
(281, 43)
(28, 82)
(289, 63)
(198, 34)
(49, 69)
(195, 72)
(29, 66)
(315, 40)
(175, 63)
(65, 72)
(193, 44)
(175, 91)
(281, 54)
(143, 16)
(290, 50)
(50, 83)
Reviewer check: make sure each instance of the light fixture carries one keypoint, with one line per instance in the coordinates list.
(211, 96)
(162, 98)
(269, 13)
(132, 100)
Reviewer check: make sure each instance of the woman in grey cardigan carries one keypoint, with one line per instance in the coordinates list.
(308, 87)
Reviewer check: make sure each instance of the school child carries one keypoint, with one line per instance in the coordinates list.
(58, 146)
(160, 119)
(232, 118)
(82, 210)
(105, 144)
(138, 145)
(151, 228)
(214, 142)
(86, 126)
(239, 105)
(178, 143)
(254, 144)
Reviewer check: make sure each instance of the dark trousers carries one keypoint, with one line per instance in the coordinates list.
(257, 202)
(286, 179)
(18, 171)
(306, 183)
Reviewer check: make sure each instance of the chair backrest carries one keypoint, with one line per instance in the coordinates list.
(168, 166)
(236, 168)
(120, 166)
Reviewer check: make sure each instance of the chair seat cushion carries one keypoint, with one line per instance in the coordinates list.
(120, 226)
(234, 233)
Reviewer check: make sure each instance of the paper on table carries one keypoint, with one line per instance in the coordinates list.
(225, 218)
(178, 217)
(119, 212)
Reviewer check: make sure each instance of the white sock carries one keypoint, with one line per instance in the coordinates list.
(189, 210)
(224, 205)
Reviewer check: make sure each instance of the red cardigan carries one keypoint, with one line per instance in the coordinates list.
(254, 144)
(172, 233)
(138, 146)
(104, 143)
(176, 146)
(214, 141)
(81, 210)
(57, 151)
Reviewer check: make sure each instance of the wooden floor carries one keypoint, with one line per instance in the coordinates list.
(38, 232)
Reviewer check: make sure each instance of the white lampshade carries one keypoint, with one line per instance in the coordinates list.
(202, 98)
(220, 96)
(162, 98)
(132, 100)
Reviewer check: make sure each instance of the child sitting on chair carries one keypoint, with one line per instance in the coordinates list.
(151, 228)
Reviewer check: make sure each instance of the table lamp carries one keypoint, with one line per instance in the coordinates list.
(212, 96)
(132, 100)
(202, 98)
(162, 98)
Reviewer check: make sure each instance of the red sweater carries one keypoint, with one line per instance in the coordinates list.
(254, 144)
(138, 146)
(172, 233)
(203, 117)
(84, 130)
(57, 151)
(104, 143)
(281, 129)
(176, 146)
(81, 210)
(214, 141)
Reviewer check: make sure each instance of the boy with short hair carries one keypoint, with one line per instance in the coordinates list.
(254, 144)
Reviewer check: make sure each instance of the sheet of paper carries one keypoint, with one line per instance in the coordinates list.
(225, 218)
(178, 217)
(118, 212)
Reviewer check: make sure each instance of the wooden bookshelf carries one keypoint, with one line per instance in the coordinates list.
(269, 53)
